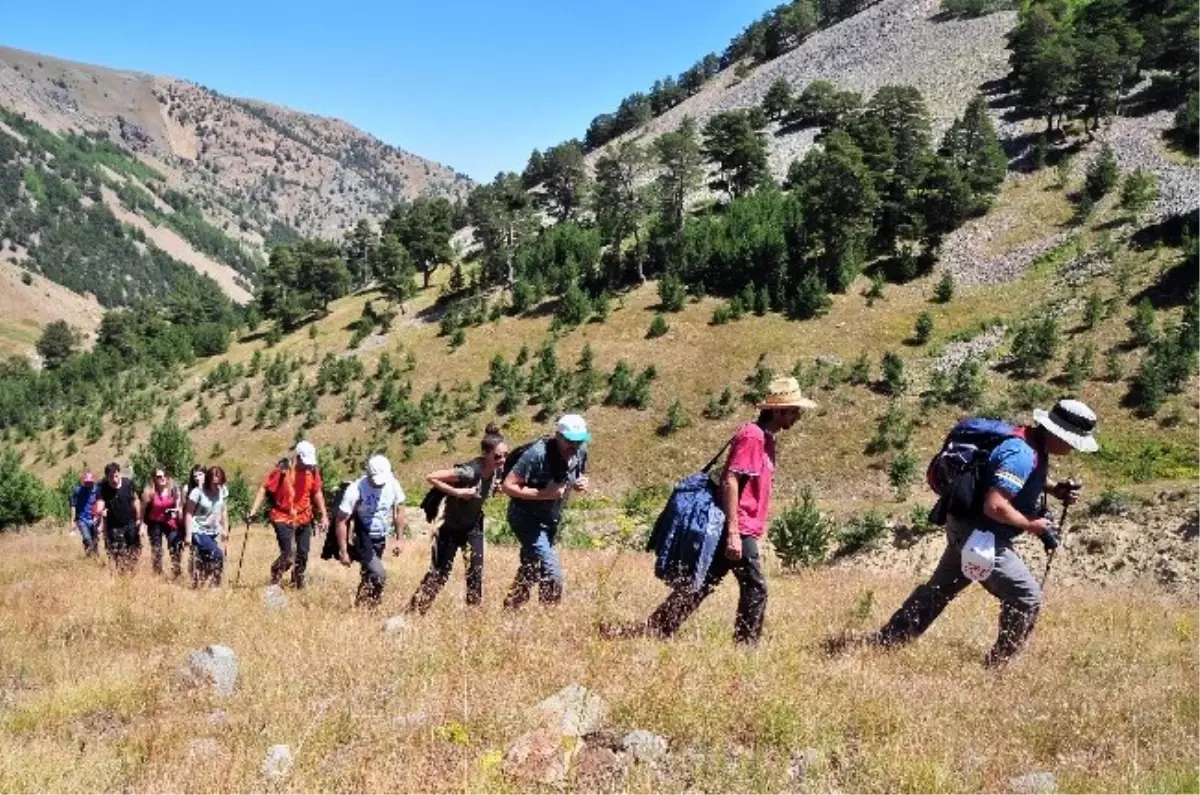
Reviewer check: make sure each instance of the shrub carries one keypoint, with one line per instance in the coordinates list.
(801, 536)
(1035, 346)
(923, 328)
(671, 293)
(719, 408)
(861, 533)
(875, 291)
(1093, 310)
(168, 447)
(901, 472)
(1102, 174)
(658, 327)
(676, 420)
(574, 307)
(1114, 369)
(1111, 503)
(1138, 191)
(759, 382)
(894, 382)
(23, 498)
(892, 430)
(944, 291)
(1078, 367)
(458, 338)
(1142, 326)
(860, 371)
(275, 336)
(969, 385)
(722, 315)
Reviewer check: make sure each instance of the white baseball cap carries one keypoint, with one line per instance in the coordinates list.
(573, 428)
(379, 469)
(307, 453)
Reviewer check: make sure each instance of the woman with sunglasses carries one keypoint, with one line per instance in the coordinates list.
(206, 517)
(161, 505)
(466, 486)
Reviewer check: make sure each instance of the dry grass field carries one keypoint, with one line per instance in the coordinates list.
(1105, 698)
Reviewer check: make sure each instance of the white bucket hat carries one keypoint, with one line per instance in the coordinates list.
(979, 555)
(1073, 422)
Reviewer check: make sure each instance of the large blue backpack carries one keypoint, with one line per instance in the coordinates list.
(958, 473)
(688, 531)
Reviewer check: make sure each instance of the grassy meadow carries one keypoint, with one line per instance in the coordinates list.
(1105, 698)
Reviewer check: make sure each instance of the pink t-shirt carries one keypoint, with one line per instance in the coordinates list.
(752, 453)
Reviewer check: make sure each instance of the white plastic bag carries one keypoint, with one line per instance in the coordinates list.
(979, 555)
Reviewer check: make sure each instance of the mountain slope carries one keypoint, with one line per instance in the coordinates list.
(252, 164)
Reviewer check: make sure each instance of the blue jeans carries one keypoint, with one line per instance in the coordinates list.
(208, 560)
(539, 561)
(87, 531)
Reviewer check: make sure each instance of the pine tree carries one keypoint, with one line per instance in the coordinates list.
(923, 328)
(777, 102)
(1102, 174)
(734, 141)
(944, 291)
(972, 145)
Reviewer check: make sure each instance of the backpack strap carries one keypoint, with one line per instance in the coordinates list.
(717, 457)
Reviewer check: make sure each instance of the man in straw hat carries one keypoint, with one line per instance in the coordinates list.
(744, 493)
(1017, 473)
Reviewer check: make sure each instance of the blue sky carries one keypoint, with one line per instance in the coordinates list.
(470, 83)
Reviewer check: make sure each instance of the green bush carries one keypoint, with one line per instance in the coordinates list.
(658, 327)
(1035, 346)
(671, 293)
(968, 386)
(168, 447)
(923, 329)
(1142, 325)
(801, 536)
(1102, 174)
(894, 381)
(23, 498)
(676, 420)
(944, 291)
(860, 371)
(901, 472)
(862, 533)
(719, 408)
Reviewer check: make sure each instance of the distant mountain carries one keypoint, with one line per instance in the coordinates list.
(252, 165)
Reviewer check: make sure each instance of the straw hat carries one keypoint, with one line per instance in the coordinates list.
(784, 393)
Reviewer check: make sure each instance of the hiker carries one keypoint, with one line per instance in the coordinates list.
(540, 480)
(206, 517)
(466, 487)
(744, 495)
(375, 503)
(120, 515)
(293, 488)
(1013, 483)
(162, 506)
(83, 518)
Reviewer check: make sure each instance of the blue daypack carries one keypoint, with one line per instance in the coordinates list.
(958, 472)
(688, 531)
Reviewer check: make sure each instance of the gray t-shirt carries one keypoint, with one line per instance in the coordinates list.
(206, 511)
(540, 467)
(464, 513)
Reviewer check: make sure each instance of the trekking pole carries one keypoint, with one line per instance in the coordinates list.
(245, 540)
(1073, 485)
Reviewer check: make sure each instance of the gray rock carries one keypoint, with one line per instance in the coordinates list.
(542, 756)
(600, 763)
(645, 746)
(277, 764)
(395, 625)
(571, 712)
(1033, 784)
(218, 717)
(215, 666)
(274, 597)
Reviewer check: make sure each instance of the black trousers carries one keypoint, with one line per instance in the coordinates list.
(752, 595)
(293, 552)
(448, 541)
(124, 545)
(158, 531)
